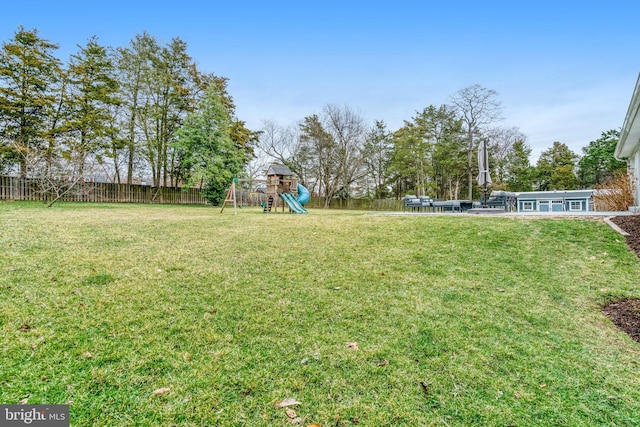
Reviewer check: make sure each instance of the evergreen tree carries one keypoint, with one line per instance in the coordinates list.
(598, 163)
(170, 93)
(428, 154)
(376, 154)
(244, 138)
(209, 156)
(92, 93)
(29, 74)
(448, 158)
(518, 172)
(412, 151)
(555, 169)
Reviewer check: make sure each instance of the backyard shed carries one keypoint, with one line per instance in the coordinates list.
(555, 201)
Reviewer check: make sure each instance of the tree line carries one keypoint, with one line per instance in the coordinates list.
(127, 113)
(434, 153)
(146, 110)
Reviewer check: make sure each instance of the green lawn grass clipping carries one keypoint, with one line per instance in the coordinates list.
(182, 316)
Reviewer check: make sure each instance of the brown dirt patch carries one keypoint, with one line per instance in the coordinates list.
(625, 314)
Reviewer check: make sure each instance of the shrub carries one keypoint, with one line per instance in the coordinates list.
(615, 194)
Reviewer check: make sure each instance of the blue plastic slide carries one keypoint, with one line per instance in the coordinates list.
(303, 195)
(293, 203)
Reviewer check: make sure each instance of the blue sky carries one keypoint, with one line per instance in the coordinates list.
(564, 70)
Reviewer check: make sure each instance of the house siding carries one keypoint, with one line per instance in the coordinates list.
(629, 142)
(554, 201)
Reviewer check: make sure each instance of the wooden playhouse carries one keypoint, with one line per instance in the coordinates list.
(280, 180)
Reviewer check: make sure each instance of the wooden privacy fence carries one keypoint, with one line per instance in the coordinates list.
(246, 198)
(15, 188)
(358, 204)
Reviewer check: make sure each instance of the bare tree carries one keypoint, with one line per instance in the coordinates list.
(278, 142)
(256, 168)
(349, 132)
(331, 146)
(478, 108)
(282, 144)
(54, 177)
(324, 150)
(501, 142)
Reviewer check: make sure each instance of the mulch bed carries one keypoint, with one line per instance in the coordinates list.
(625, 314)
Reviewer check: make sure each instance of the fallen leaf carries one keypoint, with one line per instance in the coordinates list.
(543, 385)
(290, 401)
(305, 360)
(161, 391)
(88, 355)
(425, 387)
(24, 401)
(353, 345)
(25, 327)
(290, 413)
(214, 311)
(314, 425)
(296, 420)
(385, 362)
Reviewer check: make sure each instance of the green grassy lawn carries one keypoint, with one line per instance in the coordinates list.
(459, 320)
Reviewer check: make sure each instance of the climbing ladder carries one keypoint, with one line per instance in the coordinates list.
(268, 205)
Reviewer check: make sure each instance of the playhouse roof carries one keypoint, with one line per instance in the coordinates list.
(279, 170)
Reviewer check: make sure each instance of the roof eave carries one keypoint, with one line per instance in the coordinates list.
(630, 132)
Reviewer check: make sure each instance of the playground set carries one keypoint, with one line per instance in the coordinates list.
(282, 190)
